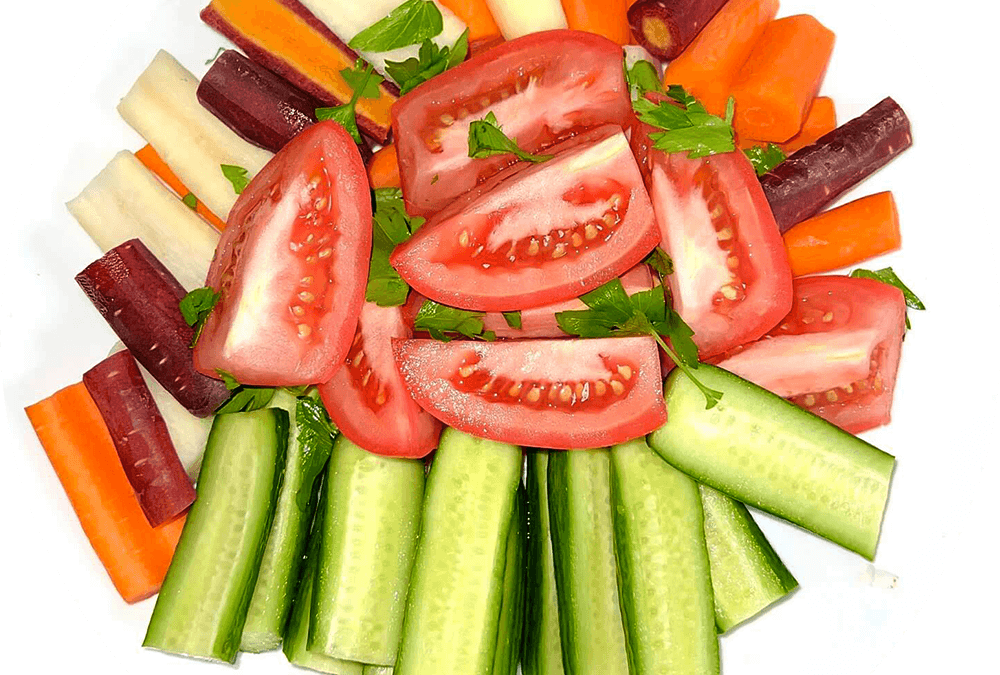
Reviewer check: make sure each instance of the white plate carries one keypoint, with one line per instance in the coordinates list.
(71, 62)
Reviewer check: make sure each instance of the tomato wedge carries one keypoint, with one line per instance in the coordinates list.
(367, 398)
(291, 266)
(732, 281)
(537, 234)
(543, 88)
(560, 394)
(836, 354)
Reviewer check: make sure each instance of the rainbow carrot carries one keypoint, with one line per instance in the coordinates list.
(383, 168)
(152, 161)
(477, 16)
(821, 120)
(604, 17)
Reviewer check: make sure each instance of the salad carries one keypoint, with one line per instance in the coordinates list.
(566, 231)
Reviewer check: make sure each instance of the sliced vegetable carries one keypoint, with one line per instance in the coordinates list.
(666, 27)
(378, 670)
(476, 14)
(781, 77)
(604, 17)
(152, 161)
(141, 438)
(815, 176)
(139, 299)
(765, 452)
(517, 18)
(76, 440)
(507, 655)
(843, 236)
(821, 120)
(383, 168)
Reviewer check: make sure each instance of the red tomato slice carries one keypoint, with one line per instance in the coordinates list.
(367, 398)
(732, 281)
(292, 265)
(543, 88)
(560, 394)
(537, 234)
(836, 354)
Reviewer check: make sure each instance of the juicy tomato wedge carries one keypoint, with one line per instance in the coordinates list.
(732, 281)
(560, 394)
(367, 399)
(543, 88)
(291, 266)
(537, 234)
(836, 354)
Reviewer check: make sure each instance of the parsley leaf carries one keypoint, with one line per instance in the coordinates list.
(642, 77)
(661, 262)
(487, 139)
(195, 308)
(236, 175)
(190, 201)
(217, 55)
(612, 312)
(430, 61)
(445, 323)
(687, 127)
(364, 82)
(316, 432)
(765, 157)
(513, 319)
(391, 226)
(888, 276)
(409, 24)
(246, 399)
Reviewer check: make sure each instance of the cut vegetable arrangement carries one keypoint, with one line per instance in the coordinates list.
(505, 328)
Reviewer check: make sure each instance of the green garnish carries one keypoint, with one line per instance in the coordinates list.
(687, 127)
(195, 308)
(661, 262)
(642, 77)
(614, 313)
(236, 175)
(243, 398)
(445, 323)
(217, 55)
(364, 82)
(486, 139)
(190, 201)
(430, 61)
(315, 437)
(888, 276)
(513, 319)
(391, 226)
(409, 24)
(765, 157)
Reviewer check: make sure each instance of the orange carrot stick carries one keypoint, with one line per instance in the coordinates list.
(477, 16)
(710, 64)
(604, 17)
(383, 168)
(843, 236)
(152, 161)
(781, 77)
(821, 120)
(135, 555)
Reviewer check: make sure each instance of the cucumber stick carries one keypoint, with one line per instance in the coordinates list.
(378, 670)
(202, 605)
(369, 534)
(765, 452)
(663, 566)
(747, 575)
(279, 567)
(542, 649)
(508, 650)
(456, 589)
(590, 620)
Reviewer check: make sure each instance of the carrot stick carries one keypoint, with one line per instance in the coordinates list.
(383, 168)
(155, 163)
(843, 236)
(710, 64)
(821, 120)
(135, 555)
(477, 17)
(604, 17)
(781, 77)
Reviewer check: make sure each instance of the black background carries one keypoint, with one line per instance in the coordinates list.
(953, 47)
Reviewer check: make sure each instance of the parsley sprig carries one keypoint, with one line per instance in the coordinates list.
(409, 24)
(687, 125)
(391, 226)
(486, 139)
(642, 78)
(316, 432)
(446, 323)
(888, 276)
(612, 312)
(236, 175)
(765, 157)
(195, 308)
(364, 82)
(429, 62)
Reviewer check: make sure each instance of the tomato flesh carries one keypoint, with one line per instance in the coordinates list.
(534, 235)
(835, 354)
(560, 394)
(291, 266)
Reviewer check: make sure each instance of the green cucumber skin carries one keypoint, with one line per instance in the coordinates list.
(279, 567)
(542, 648)
(369, 538)
(453, 606)
(768, 453)
(663, 566)
(202, 606)
(590, 620)
(747, 574)
(511, 626)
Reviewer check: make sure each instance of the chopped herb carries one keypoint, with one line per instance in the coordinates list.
(243, 398)
(364, 82)
(228, 380)
(642, 77)
(445, 323)
(195, 308)
(687, 126)
(409, 24)
(316, 432)
(391, 226)
(436, 178)
(612, 312)
(486, 139)
(765, 157)
(217, 55)
(661, 262)
(236, 175)
(190, 201)
(431, 61)
(513, 319)
(888, 276)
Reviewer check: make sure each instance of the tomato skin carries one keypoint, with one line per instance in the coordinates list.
(835, 354)
(396, 427)
(536, 234)
(291, 266)
(543, 88)
(558, 394)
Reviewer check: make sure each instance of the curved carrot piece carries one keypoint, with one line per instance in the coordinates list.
(843, 236)
(135, 555)
(152, 161)
(821, 120)
(604, 17)
(781, 77)
(711, 63)
(477, 16)
(383, 168)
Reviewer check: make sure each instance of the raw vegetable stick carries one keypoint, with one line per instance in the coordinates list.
(846, 235)
(604, 17)
(781, 77)
(517, 18)
(667, 27)
(141, 438)
(73, 435)
(152, 161)
(815, 176)
(483, 28)
(383, 168)
(709, 65)
(821, 120)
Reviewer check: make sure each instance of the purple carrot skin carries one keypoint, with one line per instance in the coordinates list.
(141, 438)
(666, 27)
(140, 300)
(815, 176)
